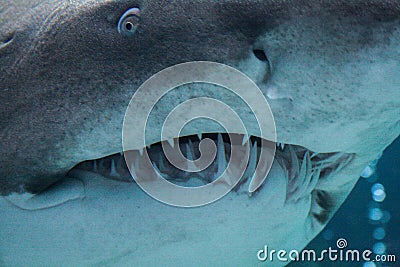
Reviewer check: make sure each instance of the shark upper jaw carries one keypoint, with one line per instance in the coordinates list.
(276, 203)
(287, 99)
(303, 171)
(134, 221)
(271, 215)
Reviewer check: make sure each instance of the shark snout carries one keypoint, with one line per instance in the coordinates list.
(272, 89)
(276, 91)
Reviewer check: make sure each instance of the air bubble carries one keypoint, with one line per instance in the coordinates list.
(385, 217)
(375, 214)
(379, 195)
(379, 248)
(368, 172)
(377, 186)
(379, 233)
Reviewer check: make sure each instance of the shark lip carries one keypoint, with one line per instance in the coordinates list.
(302, 167)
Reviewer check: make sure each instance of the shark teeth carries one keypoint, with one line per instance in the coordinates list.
(171, 142)
(251, 168)
(190, 155)
(157, 169)
(113, 171)
(255, 181)
(94, 169)
(304, 178)
(294, 169)
(221, 157)
(245, 139)
(305, 175)
(304, 169)
(141, 151)
(280, 145)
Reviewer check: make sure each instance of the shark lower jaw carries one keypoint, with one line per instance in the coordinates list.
(301, 169)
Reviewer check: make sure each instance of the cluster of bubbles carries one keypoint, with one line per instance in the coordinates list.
(377, 216)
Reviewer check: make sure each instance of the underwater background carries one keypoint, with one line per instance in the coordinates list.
(369, 218)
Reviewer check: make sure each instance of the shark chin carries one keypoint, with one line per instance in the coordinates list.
(100, 195)
(68, 69)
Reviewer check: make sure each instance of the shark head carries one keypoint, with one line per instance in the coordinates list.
(330, 73)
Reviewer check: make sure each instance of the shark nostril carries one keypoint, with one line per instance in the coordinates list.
(260, 54)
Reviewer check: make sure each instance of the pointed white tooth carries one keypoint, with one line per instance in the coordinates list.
(189, 150)
(94, 166)
(131, 169)
(302, 174)
(301, 191)
(113, 171)
(278, 145)
(251, 168)
(200, 136)
(308, 179)
(118, 162)
(294, 169)
(308, 161)
(121, 153)
(190, 155)
(249, 172)
(221, 158)
(131, 166)
(314, 181)
(226, 180)
(246, 138)
(221, 163)
(343, 163)
(142, 168)
(330, 161)
(161, 163)
(141, 151)
(171, 142)
(135, 162)
(157, 169)
(262, 169)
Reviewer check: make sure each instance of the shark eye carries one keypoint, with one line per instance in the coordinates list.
(129, 22)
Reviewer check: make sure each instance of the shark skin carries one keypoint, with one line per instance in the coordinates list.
(329, 69)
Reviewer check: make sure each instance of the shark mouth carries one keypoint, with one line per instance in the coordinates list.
(303, 169)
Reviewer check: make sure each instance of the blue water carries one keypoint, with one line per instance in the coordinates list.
(353, 221)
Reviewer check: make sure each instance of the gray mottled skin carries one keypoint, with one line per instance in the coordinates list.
(67, 77)
(83, 59)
